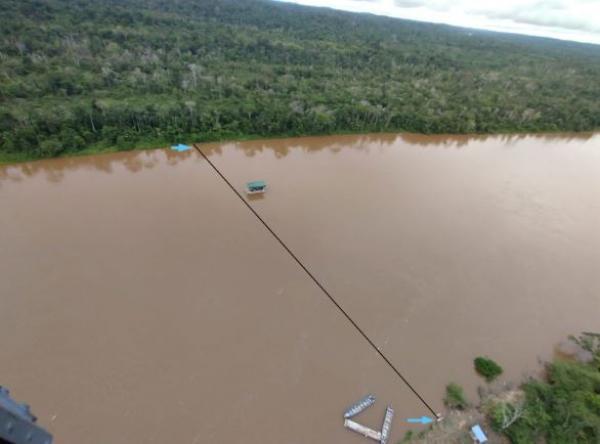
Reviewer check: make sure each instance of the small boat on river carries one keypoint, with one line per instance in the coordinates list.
(256, 187)
(360, 406)
(181, 148)
(387, 425)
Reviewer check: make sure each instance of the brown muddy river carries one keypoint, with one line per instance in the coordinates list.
(141, 302)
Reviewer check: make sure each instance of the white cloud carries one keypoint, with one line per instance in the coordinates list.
(577, 20)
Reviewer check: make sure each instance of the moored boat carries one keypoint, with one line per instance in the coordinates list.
(360, 406)
(387, 425)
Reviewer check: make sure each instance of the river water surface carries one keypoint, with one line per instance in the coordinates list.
(140, 301)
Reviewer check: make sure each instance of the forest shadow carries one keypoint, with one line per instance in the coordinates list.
(312, 144)
(54, 170)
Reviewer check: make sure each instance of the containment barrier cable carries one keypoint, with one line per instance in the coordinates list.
(316, 281)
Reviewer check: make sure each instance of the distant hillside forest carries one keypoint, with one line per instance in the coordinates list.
(76, 74)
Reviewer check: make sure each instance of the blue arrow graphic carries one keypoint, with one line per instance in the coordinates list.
(421, 420)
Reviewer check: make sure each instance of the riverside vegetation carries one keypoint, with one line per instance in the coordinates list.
(564, 408)
(561, 408)
(85, 75)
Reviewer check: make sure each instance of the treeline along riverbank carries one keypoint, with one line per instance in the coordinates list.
(80, 73)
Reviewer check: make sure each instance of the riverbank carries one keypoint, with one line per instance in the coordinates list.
(7, 158)
(145, 144)
(560, 405)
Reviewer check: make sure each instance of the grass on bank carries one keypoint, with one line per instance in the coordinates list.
(455, 397)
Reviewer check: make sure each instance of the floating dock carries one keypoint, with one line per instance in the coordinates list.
(364, 431)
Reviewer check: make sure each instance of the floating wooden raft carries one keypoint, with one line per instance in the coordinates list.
(364, 431)
(387, 425)
(360, 406)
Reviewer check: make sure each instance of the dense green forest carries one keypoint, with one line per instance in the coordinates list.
(76, 74)
(563, 409)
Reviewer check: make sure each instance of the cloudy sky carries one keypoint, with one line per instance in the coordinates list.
(564, 19)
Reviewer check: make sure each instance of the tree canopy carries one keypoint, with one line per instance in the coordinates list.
(81, 73)
(564, 408)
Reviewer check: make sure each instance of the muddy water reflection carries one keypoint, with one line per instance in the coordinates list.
(155, 303)
(152, 308)
(443, 248)
(54, 171)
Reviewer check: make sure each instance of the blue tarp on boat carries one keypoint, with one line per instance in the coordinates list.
(180, 147)
(478, 434)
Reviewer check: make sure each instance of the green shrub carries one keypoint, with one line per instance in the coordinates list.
(487, 368)
(455, 397)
